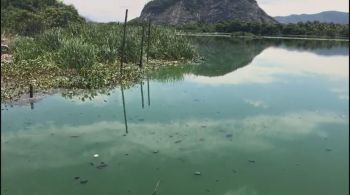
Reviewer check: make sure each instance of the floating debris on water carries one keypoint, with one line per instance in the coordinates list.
(203, 126)
(155, 151)
(74, 136)
(197, 173)
(178, 141)
(126, 154)
(141, 119)
(234, 171)
(84, 181)
(328, 149)
(96, 155)
(76, 178)
(91, 163)
(101, 166)
(201, 139)
(251, 161)
(228, 135)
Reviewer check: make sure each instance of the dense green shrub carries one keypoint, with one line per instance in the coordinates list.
(83, 45)
(26, 48)
(30, 17)
(74, 53)
(300, 29)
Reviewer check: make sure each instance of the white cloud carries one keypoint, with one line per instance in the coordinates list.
(257, 103)
(251, 135)
(108, 10)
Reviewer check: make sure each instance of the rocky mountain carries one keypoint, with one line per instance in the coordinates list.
(327, 17)
(178, 12)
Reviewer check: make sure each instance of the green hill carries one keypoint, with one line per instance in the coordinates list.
(28, 17)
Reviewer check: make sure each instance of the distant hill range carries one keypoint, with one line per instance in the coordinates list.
(326, 17)
(179, 12)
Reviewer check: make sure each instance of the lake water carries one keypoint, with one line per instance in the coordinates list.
(256, 117)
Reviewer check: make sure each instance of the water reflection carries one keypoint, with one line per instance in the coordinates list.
(124, 109)
(142, 98)
(279, 129)
(148, 92)
(226, 55)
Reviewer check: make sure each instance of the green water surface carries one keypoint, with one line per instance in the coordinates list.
(255, 117)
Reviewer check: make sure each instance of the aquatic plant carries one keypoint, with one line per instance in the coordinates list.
(87, 56)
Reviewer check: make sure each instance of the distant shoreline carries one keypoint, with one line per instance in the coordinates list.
(264, 37)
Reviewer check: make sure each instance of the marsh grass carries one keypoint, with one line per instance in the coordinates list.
(87, 56)
(79, 46)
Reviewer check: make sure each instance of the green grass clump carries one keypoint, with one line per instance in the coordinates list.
(26, 48)
(83, 45)
(74, 53)
(88, 56)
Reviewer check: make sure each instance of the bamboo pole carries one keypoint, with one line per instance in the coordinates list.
(30, 91)
(123, 43)
(148, 39)
(142, 40)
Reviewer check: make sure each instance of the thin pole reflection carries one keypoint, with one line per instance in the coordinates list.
(125, 120)
(142, 98)
(148, 95)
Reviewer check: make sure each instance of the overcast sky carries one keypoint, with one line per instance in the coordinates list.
(114, 10)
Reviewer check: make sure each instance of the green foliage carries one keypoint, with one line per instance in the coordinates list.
(167, 45)
(316, 29)
(51, 40)
(74, 53)
(26, 48)
(22, 21)
(60, 16)
(83, 45)
(30, 17)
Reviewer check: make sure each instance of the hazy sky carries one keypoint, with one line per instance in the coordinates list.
(114, 10)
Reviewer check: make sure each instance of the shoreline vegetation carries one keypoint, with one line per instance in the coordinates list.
(249, 35)
(47, 45)
(308, 29)
(87, 56)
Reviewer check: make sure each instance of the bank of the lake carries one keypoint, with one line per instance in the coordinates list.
(88, 56)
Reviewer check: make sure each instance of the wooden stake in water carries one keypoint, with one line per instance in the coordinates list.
(125, 120)
(123, 43)
(142, 40)
(30, 90)
(148, 39)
